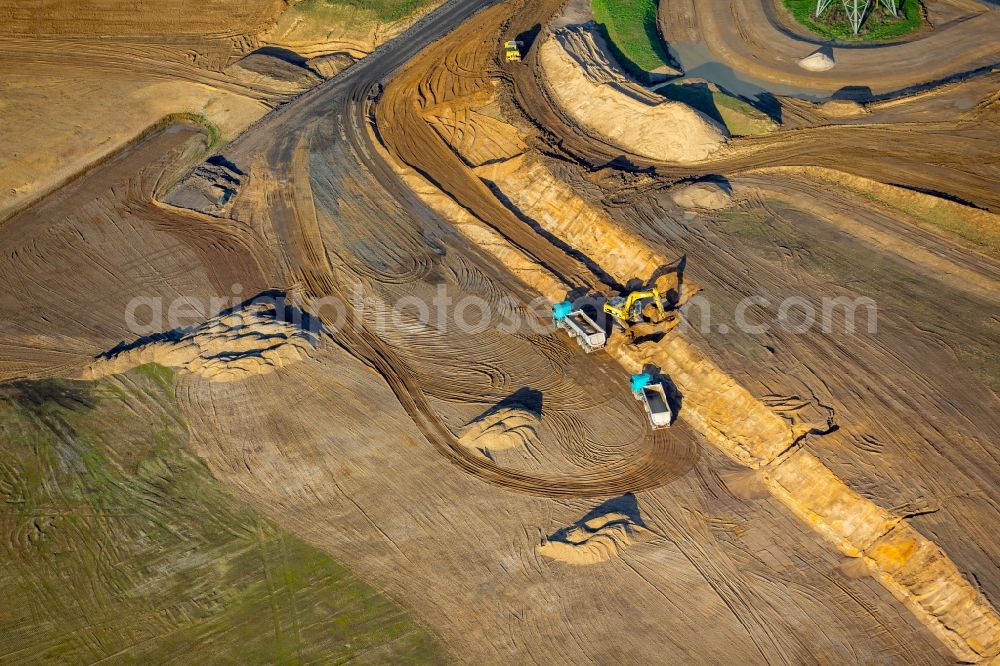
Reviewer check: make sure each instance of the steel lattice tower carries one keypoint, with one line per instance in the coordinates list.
(857, 10)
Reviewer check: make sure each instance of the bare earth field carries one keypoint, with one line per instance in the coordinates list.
(298, 464)
(123, 67)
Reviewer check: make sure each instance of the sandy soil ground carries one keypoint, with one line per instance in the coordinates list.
(477, 541)
(125, 69)
(563, 529)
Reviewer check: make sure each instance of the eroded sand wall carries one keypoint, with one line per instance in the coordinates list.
(583, 83)
(529, 186)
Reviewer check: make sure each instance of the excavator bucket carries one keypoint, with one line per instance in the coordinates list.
(654, 314)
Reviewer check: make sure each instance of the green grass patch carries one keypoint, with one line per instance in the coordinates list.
(383, 11)
(214, 134)
(739, 117)
(119, 545)
(879, 25)
(632, 33)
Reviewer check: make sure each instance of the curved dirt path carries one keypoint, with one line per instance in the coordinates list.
(742, 35)
(663, 457)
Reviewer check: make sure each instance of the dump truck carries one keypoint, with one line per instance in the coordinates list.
(587, 333)
(512, 51)
(654, 398)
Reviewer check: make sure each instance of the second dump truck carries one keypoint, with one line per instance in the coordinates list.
(654, 398)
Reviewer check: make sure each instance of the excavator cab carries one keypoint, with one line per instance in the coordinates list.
(637, 307)
(512, 51)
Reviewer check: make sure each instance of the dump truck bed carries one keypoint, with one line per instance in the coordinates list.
(585, 323)
(655, 399)
(585, 330)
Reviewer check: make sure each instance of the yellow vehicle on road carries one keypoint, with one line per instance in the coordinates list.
(512, 51)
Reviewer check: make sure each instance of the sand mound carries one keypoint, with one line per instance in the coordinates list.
(502, 428)
(707, 195)
(600, 535)
(817, 62)
(241, 343)
(210, 188)
(585, 84)
(278, 71)
(594, 540)
(329, 66)
(843, 108)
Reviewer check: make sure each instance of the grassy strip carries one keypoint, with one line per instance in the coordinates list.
(632, 33)
(739, 117)
(979, 229)
(880, 25)
(381, 11)
(214, 133)
(122, 546)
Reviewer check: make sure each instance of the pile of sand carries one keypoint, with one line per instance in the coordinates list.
(585, 84)
(843, 108)
(330, 65)
(211, 188)
(708, 195)
(241, 343)
(594, 540)
(265, 70)
(820, 61)
(500, 429)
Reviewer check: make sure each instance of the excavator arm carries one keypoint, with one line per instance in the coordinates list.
(623, 309)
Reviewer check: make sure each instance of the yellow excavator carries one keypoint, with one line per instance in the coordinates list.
(512, 51)
(637, 312)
